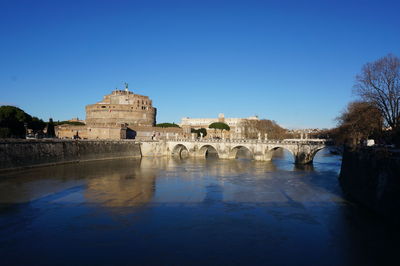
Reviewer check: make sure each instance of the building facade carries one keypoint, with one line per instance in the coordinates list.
(236, 125)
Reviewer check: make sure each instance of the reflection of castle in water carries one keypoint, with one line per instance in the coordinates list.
(127, 185)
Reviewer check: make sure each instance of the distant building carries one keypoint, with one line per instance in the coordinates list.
(305, 133)
(236, 124)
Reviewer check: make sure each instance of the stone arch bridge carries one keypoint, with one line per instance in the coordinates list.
(303, 150)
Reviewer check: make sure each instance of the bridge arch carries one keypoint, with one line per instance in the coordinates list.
(269, 152)
(315, 151)
(180, 151)
(207, 150)
(307, 154)
(233, 153)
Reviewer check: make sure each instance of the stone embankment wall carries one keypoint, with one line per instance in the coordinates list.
(26, 153)
(371, 177)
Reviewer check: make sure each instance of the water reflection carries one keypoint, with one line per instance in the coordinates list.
(186, 211)
(118, 190)
(130, 182)
(115, 178)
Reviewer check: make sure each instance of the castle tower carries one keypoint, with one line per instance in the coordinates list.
(121, 107)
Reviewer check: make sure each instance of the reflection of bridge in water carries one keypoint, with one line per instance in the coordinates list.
(303, 150)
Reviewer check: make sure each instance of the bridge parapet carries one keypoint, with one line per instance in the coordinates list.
(301, 141)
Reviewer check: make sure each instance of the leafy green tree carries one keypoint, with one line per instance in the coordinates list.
(167, 125)
(198, 131)
(36, 124)
(219, 125)
(50, 129)
(5, 132)
(12, 120)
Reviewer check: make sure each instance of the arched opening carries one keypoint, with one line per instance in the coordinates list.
(208, 151)
(180, 151)
(281, 155)
(326, 156)
(241, 152)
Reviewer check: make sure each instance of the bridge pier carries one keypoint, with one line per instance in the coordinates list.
(225, 156)
(264, 156)
(305, 153)
(303, 158)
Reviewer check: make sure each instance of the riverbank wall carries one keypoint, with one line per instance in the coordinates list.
(371, 177)
(16, 153)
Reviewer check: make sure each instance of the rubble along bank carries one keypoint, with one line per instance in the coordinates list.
(21, 153)
(371, 177)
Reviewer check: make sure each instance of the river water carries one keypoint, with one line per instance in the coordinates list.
(171, 211)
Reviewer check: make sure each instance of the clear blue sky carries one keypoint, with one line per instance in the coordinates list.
(289, 61)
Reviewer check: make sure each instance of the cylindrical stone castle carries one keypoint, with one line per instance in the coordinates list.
(121, 107)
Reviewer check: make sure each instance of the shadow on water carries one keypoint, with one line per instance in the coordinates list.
(303, 167)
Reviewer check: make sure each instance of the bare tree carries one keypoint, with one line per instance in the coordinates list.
(379, 83)
(359, 121)
(253, 127)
